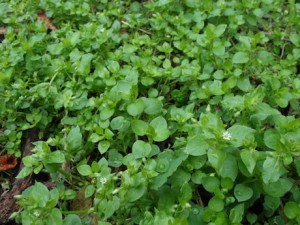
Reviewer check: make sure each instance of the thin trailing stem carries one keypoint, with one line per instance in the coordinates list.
(199, 199)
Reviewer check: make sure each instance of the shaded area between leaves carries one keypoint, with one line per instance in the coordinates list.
(7, 201)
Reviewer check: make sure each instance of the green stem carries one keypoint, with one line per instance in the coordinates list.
(52, 79)
(69, 176)
(292, 10)
(78, 212)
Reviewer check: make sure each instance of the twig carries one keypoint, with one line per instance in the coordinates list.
(199, 199)
(42, 16)
(2, 30)
(282, 51)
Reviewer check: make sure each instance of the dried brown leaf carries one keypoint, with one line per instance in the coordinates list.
(2, 30)
(7, 162)
(42, 16)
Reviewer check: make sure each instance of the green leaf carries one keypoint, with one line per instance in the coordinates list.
(216, 157)
(55, 49)
(4, 9)
(162, 165)
(175, 159)
(219, 50)
(114, 158)
(141, 149)
(84, 170)
(24, 172)
(162, 218)
(240, 58)
(271, 203)
(249, 158)
(278, 188)
(236, 214)
(227, 183)
(103, 146)
(297, 165)
(195, 217)
(186, 194)
(5, 77)
(72, 219)
(291, 210)
(55, 217)
(241, 134)
(160, 128)
(180, 177)
(89, 191)
(212, 31)
(265, 57)
(166, 48)
(40, 193)
(85, 64)
(166, 197)
(113, 66)
(152, 106)
(136, 108)
(211, 121)
(295, 39)
(197, 161)
(38, 169)
(136, 192)
(242, 192)
(210, 183)
(108, 207)
(272, 139)
(104, 223)
(139, 127)
(272, 169)
(95, 138)
(244, 84)
(42, 147)
(196, 146)
(106, 113)
(54, 197)
(56, 157)
(216, 88)
(74, 139)
(233, 102)
(258, 12)
(197, 177)
(75, 55)
(264, 110)
(122, 90)
(119, 123)
(216, 204)
(220, 29)
(164, 2)
(254, 99)
(228, 167)
(283, 96)
(95, 167)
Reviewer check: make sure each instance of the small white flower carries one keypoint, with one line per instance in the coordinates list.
(187, 205)
(103, 180)
(36, 213)
(226, 135)
(207, 108)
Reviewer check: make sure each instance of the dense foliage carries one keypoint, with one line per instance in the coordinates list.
(157, 112)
